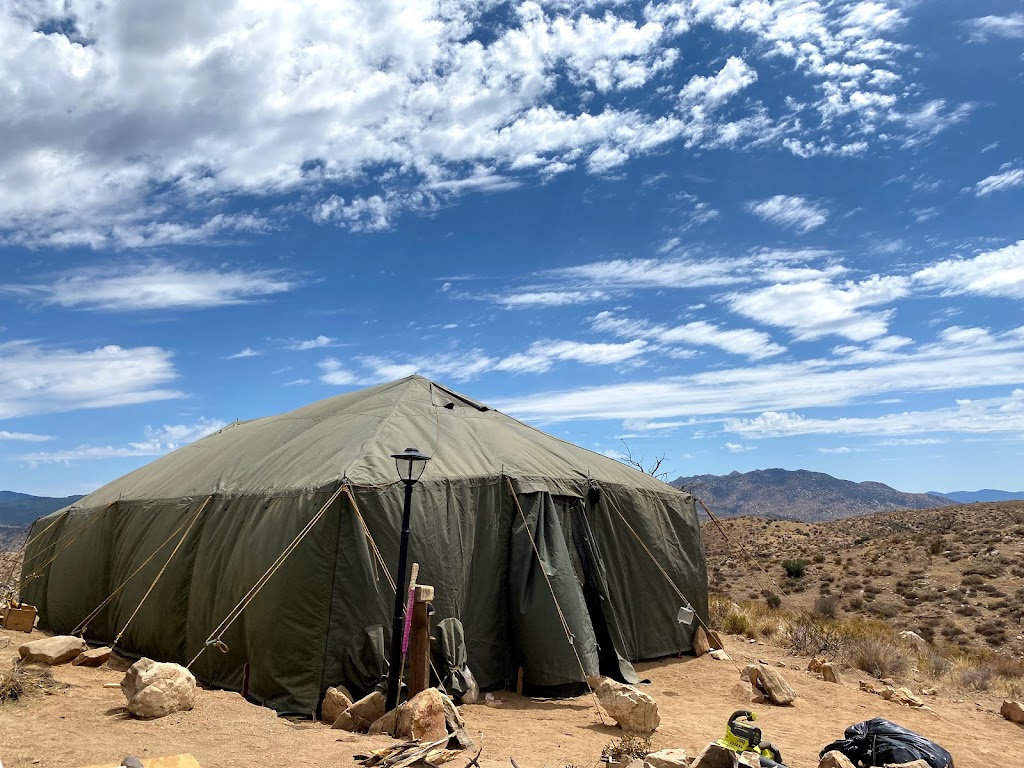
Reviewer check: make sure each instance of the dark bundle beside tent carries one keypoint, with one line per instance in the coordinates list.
(265, 550)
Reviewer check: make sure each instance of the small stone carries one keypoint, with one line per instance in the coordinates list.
(422, 717)
(828, 672)
(336, 700)
(667, 758)
(700, 642)
(774, 685)
(156, 689)
(929, 692)
(715, 640)
(748, 760)
(814, 665)
(634, 710)
(719, 655)
(361, 714)
(1012, 711)
(53, 650)
(835, 759)
(94, 657)
(914, 764)
(715, 756)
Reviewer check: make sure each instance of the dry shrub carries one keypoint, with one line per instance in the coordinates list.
(881, 656)
(826, 606)
(24, 680)
(629, 747)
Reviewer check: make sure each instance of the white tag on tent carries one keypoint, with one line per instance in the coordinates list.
(685, 615)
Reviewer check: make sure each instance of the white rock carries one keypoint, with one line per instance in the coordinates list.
(156, 689)
(667, 758)
(835, 759)
(914, 639)
(53, 650)
(631, 708)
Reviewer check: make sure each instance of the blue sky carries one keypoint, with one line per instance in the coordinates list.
(739, 234)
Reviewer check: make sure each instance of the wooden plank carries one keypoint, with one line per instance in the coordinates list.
(419, 649)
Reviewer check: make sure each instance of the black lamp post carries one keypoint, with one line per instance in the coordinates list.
(409, 475)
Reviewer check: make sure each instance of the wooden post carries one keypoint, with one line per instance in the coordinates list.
(419, 641)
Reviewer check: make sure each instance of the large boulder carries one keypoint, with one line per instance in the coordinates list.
(1013, 711)
(829, 674)
(362, 714)
(94, 657)
(336, 701)
(631, 708)
(53, 650)
(667, 758)
(835, 759)
(423, 717)
(770, 682)
(156, 689)
(716, 756)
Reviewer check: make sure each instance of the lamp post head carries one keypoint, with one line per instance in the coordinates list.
(412, 458)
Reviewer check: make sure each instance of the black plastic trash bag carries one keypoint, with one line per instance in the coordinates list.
(879, 742)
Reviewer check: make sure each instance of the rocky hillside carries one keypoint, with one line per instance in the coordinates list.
(22, 508)
(955, 575)
(782, 494)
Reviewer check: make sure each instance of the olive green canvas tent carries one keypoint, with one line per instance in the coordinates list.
(554, 559)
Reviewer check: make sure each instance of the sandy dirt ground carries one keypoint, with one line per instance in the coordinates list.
(88, 723)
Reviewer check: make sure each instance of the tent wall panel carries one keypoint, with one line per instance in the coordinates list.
(80, 574)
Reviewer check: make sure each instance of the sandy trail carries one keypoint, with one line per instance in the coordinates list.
(88, 723)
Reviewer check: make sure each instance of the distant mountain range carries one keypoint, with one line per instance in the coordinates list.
(985, 494)
(799, 495)
(23, 508)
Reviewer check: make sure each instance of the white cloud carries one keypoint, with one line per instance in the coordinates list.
(247, 352)
(541, 298)
(709, 92)
(1008, 178)
(842, 449)
(335, 374)
(156, 442)
(815, 308)
(318, 343)
(992, 273)
(791, 212)
(136, 129)
(985, 27)
(737, 448)
(940, 366)
(543, 354)
(26, 437)
(993, 415)
(154, 286)
(739, 341)
(41, 379)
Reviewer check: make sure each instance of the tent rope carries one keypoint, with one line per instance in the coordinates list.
(30, 539)
(825, 642)
(369, 537)
(739, 546)
(83, 625)
(73, 537)
(164, 568)
(668, 578)
(558, 608)
(234, 613)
